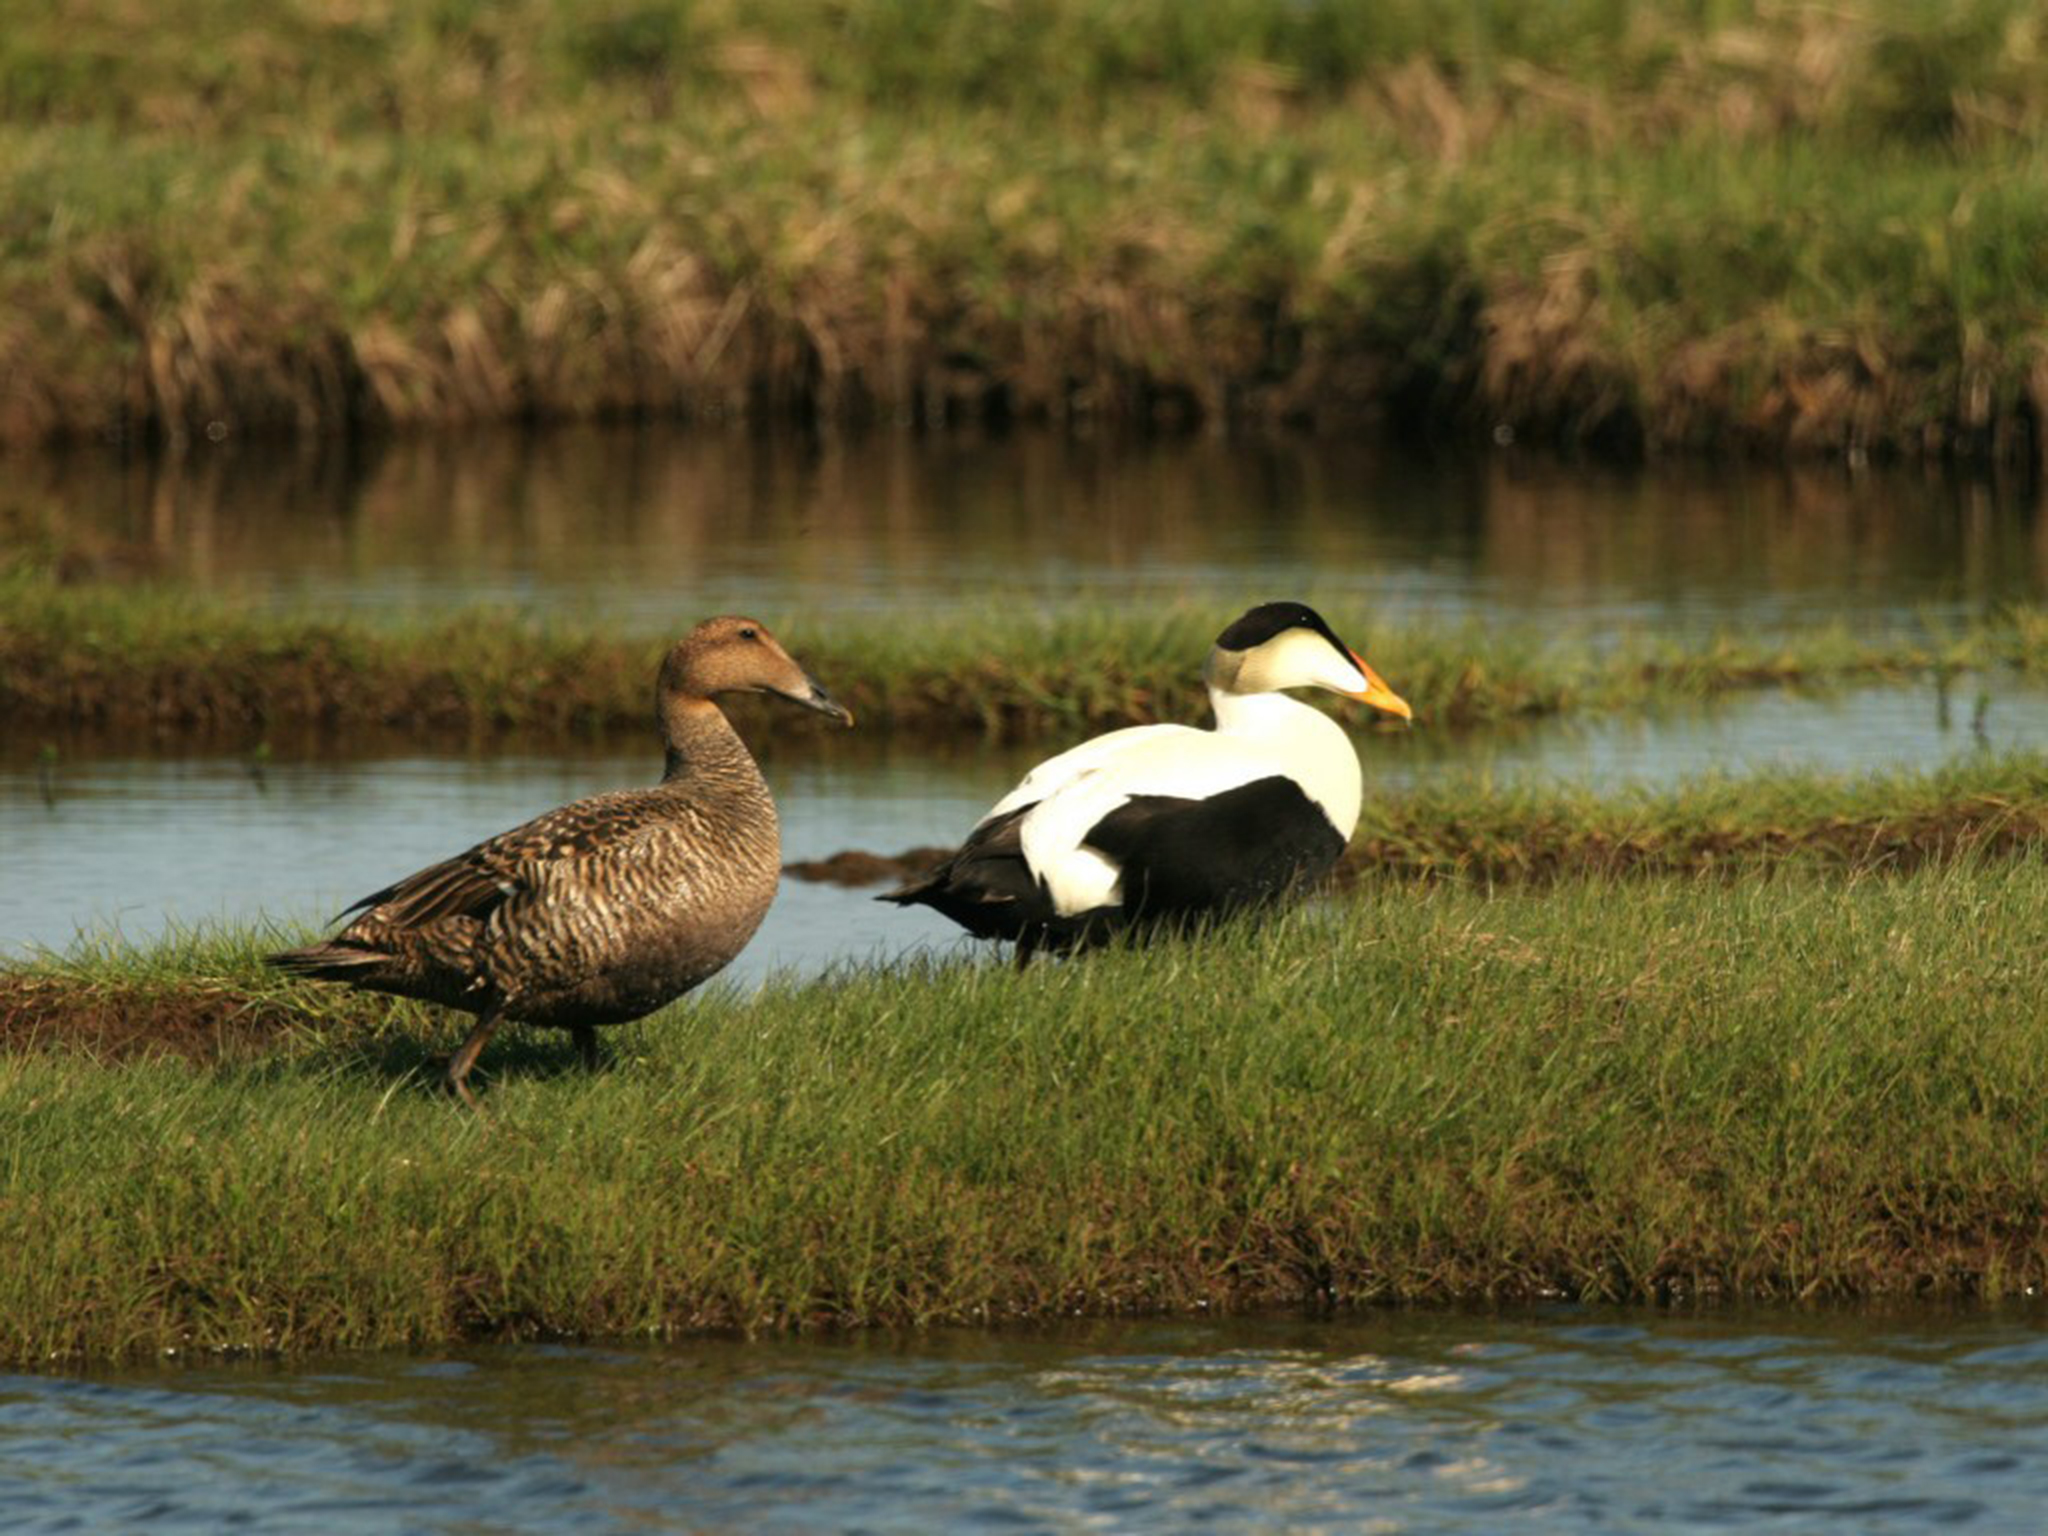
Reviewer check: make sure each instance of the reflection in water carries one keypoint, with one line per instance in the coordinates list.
(93, 841)
(1567, 1420)
(658, 527)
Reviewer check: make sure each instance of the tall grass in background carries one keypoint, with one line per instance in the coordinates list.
(1704, 224)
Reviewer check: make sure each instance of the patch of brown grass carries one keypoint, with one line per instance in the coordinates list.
(197, 1019)
(853, 867)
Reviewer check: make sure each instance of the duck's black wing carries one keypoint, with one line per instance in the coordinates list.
(1184, 858)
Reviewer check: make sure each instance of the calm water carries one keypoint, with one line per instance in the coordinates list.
(1563, 1421)
(657, 528)
(131, 843)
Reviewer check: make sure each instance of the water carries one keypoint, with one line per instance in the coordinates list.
(1565, 1420)
(656, 528)
(99, 842)
(132, 845)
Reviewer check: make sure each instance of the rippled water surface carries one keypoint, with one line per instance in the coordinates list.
(1566, 1421)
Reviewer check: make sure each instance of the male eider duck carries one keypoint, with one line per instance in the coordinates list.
(1164, 825)
(607, 908)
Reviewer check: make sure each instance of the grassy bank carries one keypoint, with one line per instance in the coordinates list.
(143, 659)
(1462, 829)
(1795, 1088)
(1877, 822)
(1686, 223)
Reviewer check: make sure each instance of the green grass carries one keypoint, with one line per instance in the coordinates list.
(1453, 826)
(1798, 1087)
(129, 658)
(1696, 222)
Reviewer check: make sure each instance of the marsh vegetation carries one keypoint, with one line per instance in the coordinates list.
(1800, 228)
(167, 660)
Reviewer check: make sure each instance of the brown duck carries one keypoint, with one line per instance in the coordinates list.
(609, 907)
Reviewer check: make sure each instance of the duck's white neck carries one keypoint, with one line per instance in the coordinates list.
(1319, 756)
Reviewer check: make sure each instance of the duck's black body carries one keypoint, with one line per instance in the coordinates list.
(1182, 861)
(1167, 826)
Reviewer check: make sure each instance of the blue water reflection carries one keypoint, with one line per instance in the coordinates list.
(652, 527)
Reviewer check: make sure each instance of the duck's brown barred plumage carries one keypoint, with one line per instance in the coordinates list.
(605, 909)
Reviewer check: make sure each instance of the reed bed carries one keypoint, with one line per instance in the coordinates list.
(1805, 1087)
(143, 659)
(1787, 227)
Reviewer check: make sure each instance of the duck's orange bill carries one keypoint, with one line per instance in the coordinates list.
(1378, 694)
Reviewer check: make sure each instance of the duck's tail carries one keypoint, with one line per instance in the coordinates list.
(330, 961)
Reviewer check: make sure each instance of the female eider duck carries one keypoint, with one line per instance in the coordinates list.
(607, 908)
(1163, 825)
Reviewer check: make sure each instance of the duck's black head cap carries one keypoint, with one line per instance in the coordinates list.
(1262, 623)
